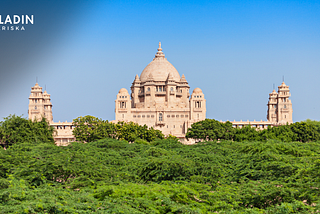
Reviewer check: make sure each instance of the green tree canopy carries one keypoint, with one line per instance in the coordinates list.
(16, 129)
(305, 132)
(211, 129)
(89, 129)
(315, 123)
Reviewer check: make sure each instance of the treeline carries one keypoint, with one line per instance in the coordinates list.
(210, 129)
(16, 129)
(89, 129)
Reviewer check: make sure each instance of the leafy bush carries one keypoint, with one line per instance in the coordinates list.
(16, 129)
(89, 129)
(210, 129)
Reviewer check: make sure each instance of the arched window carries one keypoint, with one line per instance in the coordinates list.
(197, 104)
(285, 106)
(35, 107)
(160, 116)
(171, 89)
(148, 89)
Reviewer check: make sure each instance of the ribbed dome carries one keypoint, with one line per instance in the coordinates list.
(159, 69)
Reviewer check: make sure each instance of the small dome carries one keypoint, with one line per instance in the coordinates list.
(197, 91)
(274, 92)
(123, 90)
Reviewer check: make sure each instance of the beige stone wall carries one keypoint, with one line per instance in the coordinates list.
(63, 133)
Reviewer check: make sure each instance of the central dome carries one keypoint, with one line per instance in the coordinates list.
(159, 69)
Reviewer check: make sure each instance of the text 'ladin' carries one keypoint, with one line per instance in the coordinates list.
(15, 19)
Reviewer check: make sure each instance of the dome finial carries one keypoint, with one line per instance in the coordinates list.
(160, 53)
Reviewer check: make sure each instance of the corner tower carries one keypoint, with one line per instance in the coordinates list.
(280, 106)
(39, 104)
(272, 107)
(284, 109)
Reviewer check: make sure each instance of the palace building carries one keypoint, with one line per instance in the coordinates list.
(40, 106)
(160, 98)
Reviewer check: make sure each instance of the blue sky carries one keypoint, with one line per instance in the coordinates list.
(86, 51)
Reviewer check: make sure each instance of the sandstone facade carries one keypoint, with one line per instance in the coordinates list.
(40, 106)
(160, 98)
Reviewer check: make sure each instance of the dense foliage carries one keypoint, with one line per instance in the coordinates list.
(112, 176)
(16, 129)
(89, 129)
(210, 129)
(153, 175)
(315, 123)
